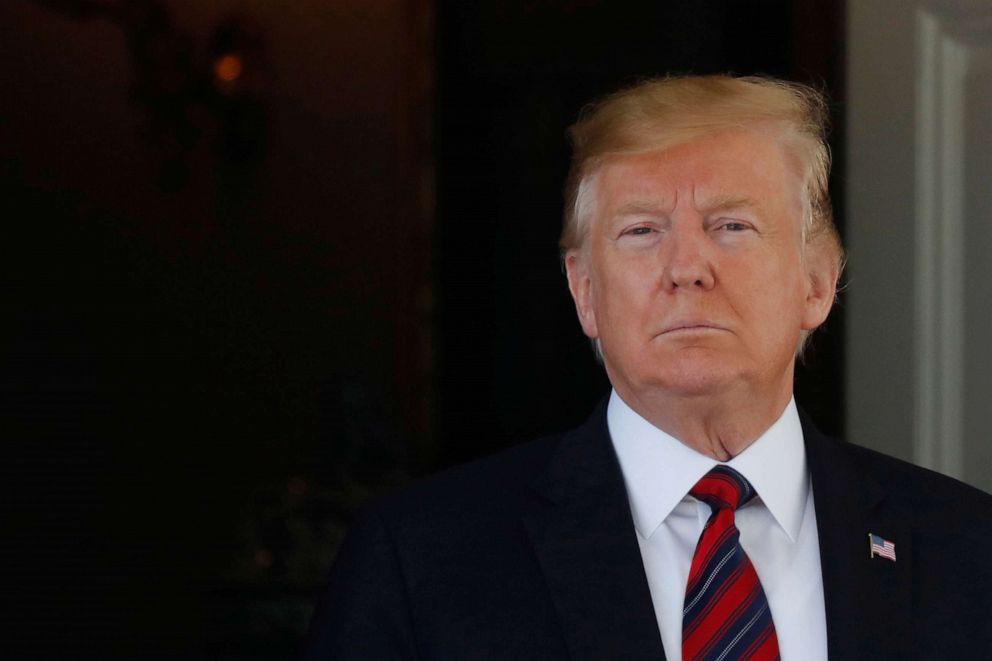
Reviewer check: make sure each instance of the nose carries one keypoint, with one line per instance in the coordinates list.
(687, 262)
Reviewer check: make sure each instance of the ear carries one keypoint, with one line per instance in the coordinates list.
(822, 273)
(580, 284)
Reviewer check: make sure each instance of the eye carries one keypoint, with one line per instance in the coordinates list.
(639, 236)
(640, 229)
(734, 226)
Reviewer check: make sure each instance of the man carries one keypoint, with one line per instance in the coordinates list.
(696, 514)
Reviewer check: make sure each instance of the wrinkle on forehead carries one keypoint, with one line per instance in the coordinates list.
(708, 203)
(645, 208)
(726, 202)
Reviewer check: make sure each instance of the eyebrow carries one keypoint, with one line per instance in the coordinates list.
(710, 204)
(638, 207)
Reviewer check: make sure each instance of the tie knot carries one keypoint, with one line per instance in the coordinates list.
(723, 488)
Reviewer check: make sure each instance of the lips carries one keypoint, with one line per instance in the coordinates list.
(691, 326)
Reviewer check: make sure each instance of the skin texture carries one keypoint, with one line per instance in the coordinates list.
(693, 276)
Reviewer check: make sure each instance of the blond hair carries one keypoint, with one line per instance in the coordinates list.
(663, 112)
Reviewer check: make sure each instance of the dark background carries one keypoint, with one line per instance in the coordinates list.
(265, 260)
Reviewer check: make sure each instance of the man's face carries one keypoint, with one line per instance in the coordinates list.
(692, 274)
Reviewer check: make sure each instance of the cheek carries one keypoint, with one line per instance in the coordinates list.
(772, 298)
(623, 303)
(771, 273)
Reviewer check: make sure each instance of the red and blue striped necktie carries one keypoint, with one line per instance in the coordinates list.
(726, 614)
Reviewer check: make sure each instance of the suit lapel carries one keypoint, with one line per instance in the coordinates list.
(868, 600)
(584, 538)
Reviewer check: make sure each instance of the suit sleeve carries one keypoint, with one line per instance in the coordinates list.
(364, 611)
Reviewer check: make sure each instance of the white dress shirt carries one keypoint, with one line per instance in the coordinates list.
(778, 527)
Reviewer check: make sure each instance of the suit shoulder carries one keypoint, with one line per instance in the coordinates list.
(934, 497)
(904, 473)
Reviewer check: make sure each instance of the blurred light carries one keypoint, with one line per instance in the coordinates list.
(263, 558)
(228, 68)
(297, 486)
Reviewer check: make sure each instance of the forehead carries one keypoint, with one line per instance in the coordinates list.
(713, 170)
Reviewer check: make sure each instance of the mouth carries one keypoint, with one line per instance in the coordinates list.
(689, 327)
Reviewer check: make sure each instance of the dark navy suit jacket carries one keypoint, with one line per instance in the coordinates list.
(532, 554)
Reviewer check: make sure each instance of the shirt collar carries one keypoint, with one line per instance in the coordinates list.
(659, 470)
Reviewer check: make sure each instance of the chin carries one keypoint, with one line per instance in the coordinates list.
(693, 377)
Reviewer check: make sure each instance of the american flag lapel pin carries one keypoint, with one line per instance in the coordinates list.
(883, 548)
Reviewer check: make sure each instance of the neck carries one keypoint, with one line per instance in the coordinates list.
(720, 427)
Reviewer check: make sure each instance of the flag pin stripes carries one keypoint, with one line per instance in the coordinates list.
(883, 548)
